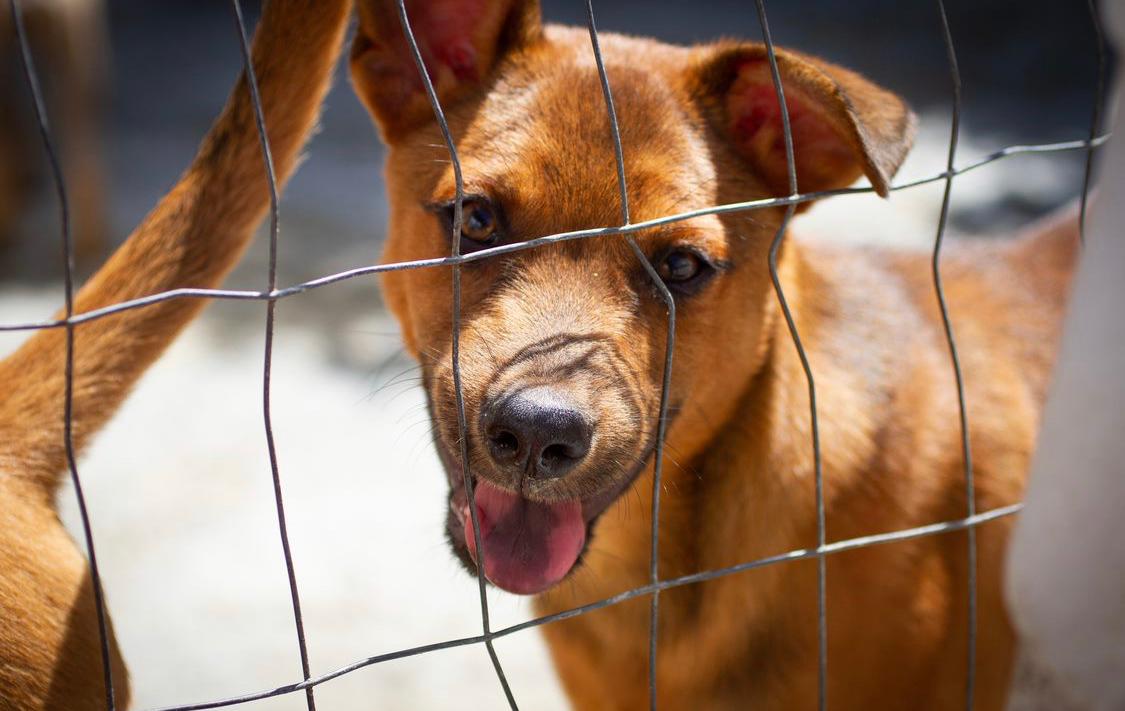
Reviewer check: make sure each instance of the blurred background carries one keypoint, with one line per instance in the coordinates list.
(179, 484)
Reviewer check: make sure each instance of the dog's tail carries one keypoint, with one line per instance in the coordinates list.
(192, 239)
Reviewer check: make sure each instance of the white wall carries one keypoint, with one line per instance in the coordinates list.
(1066, 574)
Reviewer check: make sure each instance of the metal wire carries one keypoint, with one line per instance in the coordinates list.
(1095, 115)
(626, 229)
(31, 78)
(669, 348)
(462, 428)
(818, 468)
(482, 254)
(267, 365)
(962, 409)
(666, 584)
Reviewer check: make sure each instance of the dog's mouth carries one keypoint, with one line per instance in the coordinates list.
(529, 546)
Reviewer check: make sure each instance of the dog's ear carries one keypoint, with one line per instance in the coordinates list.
(460, 42)
(842, 124)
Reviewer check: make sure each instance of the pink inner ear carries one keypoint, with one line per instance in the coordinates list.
(444, 30)
(755, 116)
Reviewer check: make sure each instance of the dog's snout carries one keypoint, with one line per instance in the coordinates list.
(536, 432)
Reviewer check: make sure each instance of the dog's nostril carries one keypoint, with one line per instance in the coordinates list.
(537, 432)
(558, 459)
(556, 454)
(505, 444)
(570, 446)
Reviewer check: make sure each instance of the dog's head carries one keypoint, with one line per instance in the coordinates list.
(562, 346)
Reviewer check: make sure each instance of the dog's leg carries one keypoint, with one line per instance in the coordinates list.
(49, 640)
(192, 239)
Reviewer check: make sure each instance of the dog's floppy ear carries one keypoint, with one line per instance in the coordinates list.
(460, 42)
(842, 124)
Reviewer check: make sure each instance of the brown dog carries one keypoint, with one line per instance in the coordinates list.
(562, 347)
(49, 649)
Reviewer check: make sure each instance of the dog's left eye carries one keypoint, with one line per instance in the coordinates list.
(478, 222)
(684, 270)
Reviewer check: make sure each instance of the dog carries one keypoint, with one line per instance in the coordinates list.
(562, 351)
(50, 654)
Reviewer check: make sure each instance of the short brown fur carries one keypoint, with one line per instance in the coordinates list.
(533, 136)
(49, 642)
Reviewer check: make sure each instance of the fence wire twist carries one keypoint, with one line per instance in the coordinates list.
(627, 230)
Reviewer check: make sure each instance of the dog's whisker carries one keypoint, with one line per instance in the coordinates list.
(399, 381)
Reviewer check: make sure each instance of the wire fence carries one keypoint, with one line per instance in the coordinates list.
(626, 229)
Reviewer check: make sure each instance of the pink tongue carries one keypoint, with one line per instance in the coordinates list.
(528, 546)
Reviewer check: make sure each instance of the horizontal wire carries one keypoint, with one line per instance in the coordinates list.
(734, 207)
(705, 576)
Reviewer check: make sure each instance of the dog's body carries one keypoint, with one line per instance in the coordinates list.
(49, 642)
(897, 614)
(562, 350)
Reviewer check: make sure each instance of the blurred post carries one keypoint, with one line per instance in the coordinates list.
(1066, 569)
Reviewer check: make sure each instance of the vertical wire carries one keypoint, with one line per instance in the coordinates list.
(818, 468)
(267, 366)
(32, 80)
(939, 290)
(462, 426)
(669, 347)
(1095, 118)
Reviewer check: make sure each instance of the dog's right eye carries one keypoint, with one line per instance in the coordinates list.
(685, 270)
(480, 222)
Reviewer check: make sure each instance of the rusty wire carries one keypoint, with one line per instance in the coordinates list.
(626, 229)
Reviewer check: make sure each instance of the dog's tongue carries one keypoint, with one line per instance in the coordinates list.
(528, 546)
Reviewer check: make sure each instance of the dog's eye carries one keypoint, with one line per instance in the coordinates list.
(480, 222)
(684, 270)
(680, 266)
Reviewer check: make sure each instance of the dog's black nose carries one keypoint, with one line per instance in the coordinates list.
(536, 432)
